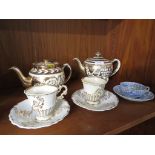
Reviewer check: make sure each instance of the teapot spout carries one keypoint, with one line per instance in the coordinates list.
(82, 68)
(26, 81)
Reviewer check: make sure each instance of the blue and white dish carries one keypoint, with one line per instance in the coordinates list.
(145, 97)
(133, 89)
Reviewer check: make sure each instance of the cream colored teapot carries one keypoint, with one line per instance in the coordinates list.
(99, 66)
(46, 72)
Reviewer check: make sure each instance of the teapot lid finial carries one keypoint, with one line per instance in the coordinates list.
(98, 58)
(98, 54)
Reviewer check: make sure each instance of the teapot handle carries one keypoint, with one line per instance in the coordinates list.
(70, 71)
(118, 66)
(64, 91)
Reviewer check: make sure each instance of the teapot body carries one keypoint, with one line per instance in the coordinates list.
(51, 75)
(99, 66)
(100, 70)
(46, 72)
(56, 79)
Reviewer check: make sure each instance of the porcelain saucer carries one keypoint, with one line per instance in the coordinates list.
(107, 102)
(22, 116)
(146, 97)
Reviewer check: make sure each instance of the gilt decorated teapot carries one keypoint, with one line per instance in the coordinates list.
(46, 72)
(98, 66)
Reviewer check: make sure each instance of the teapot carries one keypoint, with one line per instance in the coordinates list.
(46, 72)
(99, 66)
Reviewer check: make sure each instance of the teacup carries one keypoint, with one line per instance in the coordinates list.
(134, 89)
(93, 88)
(42, 99)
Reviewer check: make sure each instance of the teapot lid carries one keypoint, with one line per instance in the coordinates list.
(45, 67)
(97, 59)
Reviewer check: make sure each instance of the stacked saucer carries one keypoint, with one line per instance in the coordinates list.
(133, 91)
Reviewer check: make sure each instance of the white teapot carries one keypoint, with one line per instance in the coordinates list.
(99, 66)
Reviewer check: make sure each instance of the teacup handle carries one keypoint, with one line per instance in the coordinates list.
(118, 66)
(61, 96)
(70, 71)
(147, 88)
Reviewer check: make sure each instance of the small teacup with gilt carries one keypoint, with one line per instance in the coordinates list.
(93, 88)
(42, 99)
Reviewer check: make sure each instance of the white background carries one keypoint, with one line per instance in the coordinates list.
(77, 9)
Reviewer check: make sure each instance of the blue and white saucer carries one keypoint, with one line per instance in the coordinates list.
(146, 97)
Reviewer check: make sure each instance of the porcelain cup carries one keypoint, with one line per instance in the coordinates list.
(134, 89)
(42, 99)
(93, 88)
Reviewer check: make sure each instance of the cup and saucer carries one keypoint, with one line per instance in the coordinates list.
(93, 96)
(133, 91)
(42, 108)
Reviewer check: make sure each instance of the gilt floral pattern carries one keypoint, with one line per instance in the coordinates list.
(38, 103)
(100, 72)
(60, 112)
(22, 113)
(54, 81)
(93, 97)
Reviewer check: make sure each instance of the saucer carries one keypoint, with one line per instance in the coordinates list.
(146, 97)
(22, 115)
(107, 102)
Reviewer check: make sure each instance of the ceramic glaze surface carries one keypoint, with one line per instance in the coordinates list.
(42, 99)
(93, 88)
(92, 84)
(93, 98)
(49, 73)
(51, 79)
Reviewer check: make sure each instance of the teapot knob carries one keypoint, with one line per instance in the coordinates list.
(98, 54)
